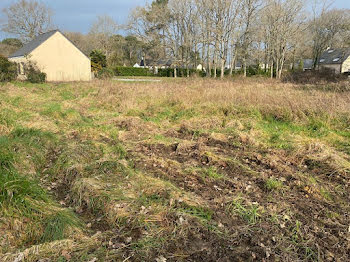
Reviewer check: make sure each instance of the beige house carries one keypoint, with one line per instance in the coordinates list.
(54, 54)
(337, 60)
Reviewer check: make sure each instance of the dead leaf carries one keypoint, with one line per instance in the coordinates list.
(66, 255)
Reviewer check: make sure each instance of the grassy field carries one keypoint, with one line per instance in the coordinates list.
(186, 170)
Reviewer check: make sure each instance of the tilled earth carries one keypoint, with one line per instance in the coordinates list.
(292, 223)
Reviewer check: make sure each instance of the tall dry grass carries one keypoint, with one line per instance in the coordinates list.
(268, 96)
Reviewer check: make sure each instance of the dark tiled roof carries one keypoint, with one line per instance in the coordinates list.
(334, 56)
(307, 63)
(28, 48)
(150, 62)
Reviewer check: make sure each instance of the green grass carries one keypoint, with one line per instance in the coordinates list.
(67, 95)
(21, 195)
(211, 172)
(273, 184)
(53, 110)
(199, 212)
(56, 225)
(250, 213)
(169, 110)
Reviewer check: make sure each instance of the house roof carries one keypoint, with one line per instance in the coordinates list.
(28, 48)
(307, 63)
(150, 62)
(40, 39)
(334, 56)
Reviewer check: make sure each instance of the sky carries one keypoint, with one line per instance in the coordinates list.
(77, 15)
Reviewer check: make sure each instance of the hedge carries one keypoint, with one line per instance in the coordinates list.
(162, 72)
(181, 72)
(132, 71)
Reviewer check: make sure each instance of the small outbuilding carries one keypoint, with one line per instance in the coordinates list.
(337, 60)
(54, 54)
(302, 64)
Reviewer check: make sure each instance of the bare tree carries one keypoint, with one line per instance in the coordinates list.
(249, 12)
(325, 25)
(149, 24)
(222, 32)
(84, 42)
(27, 19)
(283, 19)
(101, 31)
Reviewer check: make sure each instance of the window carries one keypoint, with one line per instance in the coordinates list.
(336, 59)
(21, 69)
(322, 60)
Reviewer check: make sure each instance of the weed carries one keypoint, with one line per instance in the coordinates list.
(211, 172)
(200, 212)
(296, 232)
(273, 184)
(56, 225)
(67, 95)
(53, 110)
(250, 213)
(325, 194)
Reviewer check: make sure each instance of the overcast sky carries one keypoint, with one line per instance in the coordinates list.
(77, 15)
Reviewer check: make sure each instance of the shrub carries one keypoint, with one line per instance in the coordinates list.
(98, 61)
(8, 70)
(313, 76)
(105, 73)
(34, 75)
(181, 72)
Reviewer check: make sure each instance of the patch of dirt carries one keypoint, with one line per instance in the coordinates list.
(296, 214)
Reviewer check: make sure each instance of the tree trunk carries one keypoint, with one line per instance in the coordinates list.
(214, 69)
(231, 67)
(208, 61)
(223, 61)
(233, 63)
(271, 69)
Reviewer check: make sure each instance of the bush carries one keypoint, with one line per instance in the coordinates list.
(98, 61)
(254, 70)
(8, 70)
(105, 73)
(313, 77)
(34, 75)
(181, 72)
(132, 71)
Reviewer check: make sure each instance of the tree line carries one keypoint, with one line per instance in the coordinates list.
(217, 34)
(220, 33)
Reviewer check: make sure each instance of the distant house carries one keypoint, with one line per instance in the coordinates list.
(200, 67)
(337, 60)
(303, 64)
(54, 54)
(156, 64)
